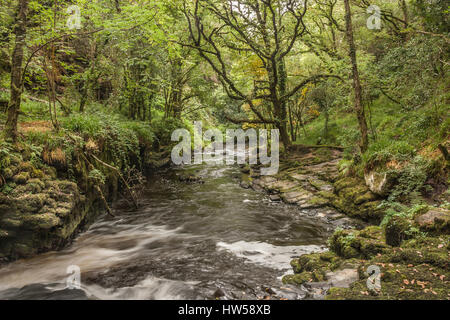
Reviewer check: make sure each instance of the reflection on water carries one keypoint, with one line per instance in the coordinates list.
(187, 241)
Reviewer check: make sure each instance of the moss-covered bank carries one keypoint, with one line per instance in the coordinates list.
(56, 183)
(313, 178)
(409, 243)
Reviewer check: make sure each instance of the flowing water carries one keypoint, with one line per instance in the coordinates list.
(187, 241)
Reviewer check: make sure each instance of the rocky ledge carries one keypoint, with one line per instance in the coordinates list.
(312, 178)
(410, 249)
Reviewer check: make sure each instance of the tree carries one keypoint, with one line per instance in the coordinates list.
(263, 29)
(20, 32)
(358, 106)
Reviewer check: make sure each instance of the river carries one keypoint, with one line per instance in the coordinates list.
(187, 241)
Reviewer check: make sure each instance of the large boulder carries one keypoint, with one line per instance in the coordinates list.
(436, 220)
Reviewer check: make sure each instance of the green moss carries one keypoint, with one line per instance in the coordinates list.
(347, 182)
(35, 185)
(366, 197)
(436, 221)
(26, 167)
(358, 244)
(298, 279)
(318, 201)
(355, 199)
(7, 173)
(42, 221)
(398, 229)
(11, 223)
(21, 178)
(31, 202)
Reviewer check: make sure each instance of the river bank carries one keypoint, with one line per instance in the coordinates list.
(47, 204)
(202, 238)
(55, 184)
(411, 249)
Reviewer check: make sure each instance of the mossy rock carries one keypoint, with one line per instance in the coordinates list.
(35, 185)
(436, 221)
(38, 174)
(26, 167)
(355, 199)
(298, 279)
(420, 256)
(366, 197)
(358, 244)
(67, 186)
(11, 223)
(246, 181)
(15, 159)
(398, 282)
(51, 172)
(397, 230)
(21, 178)
(418, 270)
(43, 221)
(62, 211)
(314, 262)
(7, 173)
(347, 183)
(31, 202)
(23, 250)
(318, 202)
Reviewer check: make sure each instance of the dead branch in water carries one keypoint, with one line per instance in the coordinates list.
(97, 188)
(135, 202)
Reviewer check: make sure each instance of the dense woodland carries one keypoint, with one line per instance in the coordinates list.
(328, 72)
(105, 77)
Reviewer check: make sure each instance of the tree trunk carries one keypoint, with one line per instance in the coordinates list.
(327, 120)
(282, 85)
(20, 32)
(291, 124)
(359, 109)
(404, 8)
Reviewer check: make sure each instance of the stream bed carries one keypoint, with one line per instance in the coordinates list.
(209, 239)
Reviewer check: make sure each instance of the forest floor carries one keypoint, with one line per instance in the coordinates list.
(409, 254)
